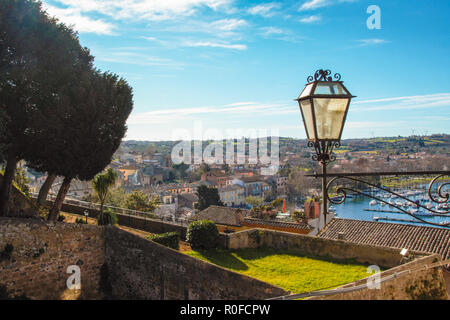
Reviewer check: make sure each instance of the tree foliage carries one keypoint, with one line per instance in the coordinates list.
(138, 200)
(57, 112)
(208, 196)
(39, 58)
(107, 217)
(202, 235)
(101, 183)
(180, 170)
(168, 239)
(254, 201)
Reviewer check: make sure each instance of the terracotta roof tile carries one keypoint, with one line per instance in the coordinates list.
(417, 238)
(280, 224)
(221, 215)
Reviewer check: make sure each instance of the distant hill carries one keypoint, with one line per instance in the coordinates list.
(436, 143)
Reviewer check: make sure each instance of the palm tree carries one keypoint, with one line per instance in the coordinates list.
(101, 184)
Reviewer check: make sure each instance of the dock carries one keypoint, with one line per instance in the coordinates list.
(395, 219)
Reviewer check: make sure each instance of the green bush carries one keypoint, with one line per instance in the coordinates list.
(107, 217)
(80, 221)
(168, 239)
(202, 235)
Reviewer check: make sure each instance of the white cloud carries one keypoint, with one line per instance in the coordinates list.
(73, 17)
(314, 4)
(215, 45)
(369, 124)
(154, 10)
(234, 109)
(279, 34)
(368, 42)
(311, 19)
(228, 24)
(267, 31)
(265, 9)
(404, 103)
(132, 56)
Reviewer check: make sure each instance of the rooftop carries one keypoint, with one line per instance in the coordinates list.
(278, 224)
(416, 238)
(221, 215)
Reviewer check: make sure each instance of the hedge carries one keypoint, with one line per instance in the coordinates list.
(168, 239)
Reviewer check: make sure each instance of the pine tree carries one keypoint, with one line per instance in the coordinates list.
(37, 60)
(90, 131)
(208, 197)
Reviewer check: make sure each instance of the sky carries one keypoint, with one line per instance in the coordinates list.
(224, 68)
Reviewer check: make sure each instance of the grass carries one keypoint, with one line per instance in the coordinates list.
(387, 140)
(395, 182)
(340, 151)
(290, 271)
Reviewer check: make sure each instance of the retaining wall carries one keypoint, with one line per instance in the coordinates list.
(308, 245)
(428, 284)
(142, 269)
(36, 268)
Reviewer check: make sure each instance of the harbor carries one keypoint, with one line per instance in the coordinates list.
(388, 207)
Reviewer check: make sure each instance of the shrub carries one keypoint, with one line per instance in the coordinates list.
(107, 217)
(298, 215)
(61, 218)
(168, 239)
(80, 221)
(202, 235)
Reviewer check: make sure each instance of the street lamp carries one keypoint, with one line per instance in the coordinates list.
(324, 104)
(86, 214)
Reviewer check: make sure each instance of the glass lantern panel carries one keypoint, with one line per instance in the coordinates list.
(329, 114)
(334, 88)
(305, 106)
(306, 91)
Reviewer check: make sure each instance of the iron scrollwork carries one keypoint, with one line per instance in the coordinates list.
(445, 197)
(324, 150)
(324, 75)
(442, 198)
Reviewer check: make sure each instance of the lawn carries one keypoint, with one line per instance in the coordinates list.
(292, 272)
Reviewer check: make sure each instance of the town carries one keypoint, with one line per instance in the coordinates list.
(285, 192)
(147, 167)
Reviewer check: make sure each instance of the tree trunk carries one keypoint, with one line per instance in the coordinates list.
(54, 212)
(43, 192)
(101, 217)
(5, 189)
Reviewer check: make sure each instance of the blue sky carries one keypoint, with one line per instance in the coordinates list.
(229, 65)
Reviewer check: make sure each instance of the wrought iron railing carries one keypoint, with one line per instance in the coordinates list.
(436, 192)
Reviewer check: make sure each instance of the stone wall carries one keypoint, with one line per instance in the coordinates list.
(41, 252)
(145, 224)
(417, 285)
(34, 256)
(19, 204)
(151, 225)
(308, 245)
(141, 269)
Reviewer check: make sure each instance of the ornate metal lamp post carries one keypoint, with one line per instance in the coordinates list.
(323, 104)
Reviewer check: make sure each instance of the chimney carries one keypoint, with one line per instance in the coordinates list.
(341, 235)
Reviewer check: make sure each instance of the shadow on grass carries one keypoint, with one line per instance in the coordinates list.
(222, 258)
